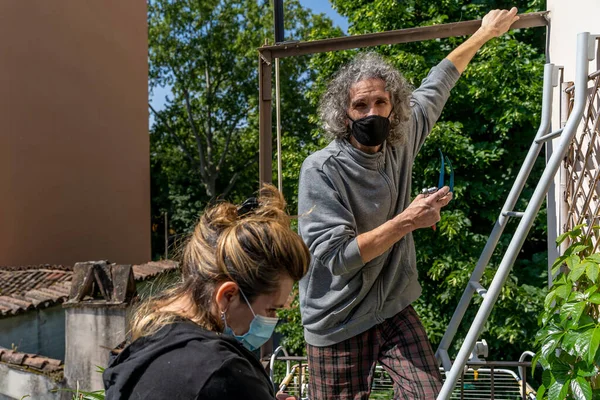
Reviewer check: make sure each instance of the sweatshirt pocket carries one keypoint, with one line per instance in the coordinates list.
(330, 300)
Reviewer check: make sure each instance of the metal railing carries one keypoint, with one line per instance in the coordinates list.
(485, 380)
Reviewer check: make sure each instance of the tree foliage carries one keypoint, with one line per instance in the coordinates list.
(204, 140)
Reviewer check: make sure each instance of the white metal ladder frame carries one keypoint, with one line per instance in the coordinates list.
(585, 53)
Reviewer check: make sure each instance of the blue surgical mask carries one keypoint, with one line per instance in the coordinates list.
(261, 329)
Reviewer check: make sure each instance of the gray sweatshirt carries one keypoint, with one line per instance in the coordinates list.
(345, 192)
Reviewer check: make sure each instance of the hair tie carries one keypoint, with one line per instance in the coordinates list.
(249, 205)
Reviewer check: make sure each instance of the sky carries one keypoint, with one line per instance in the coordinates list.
(317, 6)
(324, 6)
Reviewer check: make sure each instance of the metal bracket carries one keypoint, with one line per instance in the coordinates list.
(265, 60)
(479, 350)
(287, 42)
(555, 74)
(592, 47)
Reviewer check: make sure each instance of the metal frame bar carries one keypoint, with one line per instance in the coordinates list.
(278, 127)
(265, 145)
(566, 106)
(290, 49)
(516, 243)
(408, 35)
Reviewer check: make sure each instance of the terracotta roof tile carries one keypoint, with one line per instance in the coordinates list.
(20, 281)
(25, 288)
(153, 268)
(35, 361)
(56, 267)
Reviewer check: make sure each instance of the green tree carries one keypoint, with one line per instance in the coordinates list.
(486, 129)
(204, 141)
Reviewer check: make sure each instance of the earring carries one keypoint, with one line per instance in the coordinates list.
(224, 319)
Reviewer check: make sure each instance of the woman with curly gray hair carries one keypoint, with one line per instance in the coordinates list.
(365, 66)
(357, 218)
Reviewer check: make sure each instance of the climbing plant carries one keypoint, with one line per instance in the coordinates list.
(570, 335)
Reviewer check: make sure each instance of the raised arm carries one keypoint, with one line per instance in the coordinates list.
(494, 24)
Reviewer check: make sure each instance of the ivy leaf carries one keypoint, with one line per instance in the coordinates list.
(558, 263)
(592, 270)
(595, 258)
(540, 392)
(549, 299)
(573, 233)
(561, 372)
(594, 344)
(568, 343)
(572, 311)
(577, 296)
(576, 249)
(590, 291)
(550, 343)
(564, 390)
(562, 237)
(586, 370)
(563, 291)
(558, 391)
(573, 261)
(547, 378)
(595, 298)
(583, 342)
(586, 321)
(581, 389)
(566, 359)
(539, 359)
(577, 270)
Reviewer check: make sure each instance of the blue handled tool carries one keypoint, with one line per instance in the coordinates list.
(442, 178)
(443, 170)
(433, 189)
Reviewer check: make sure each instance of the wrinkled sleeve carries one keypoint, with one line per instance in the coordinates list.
(326, 224)
(429, 99)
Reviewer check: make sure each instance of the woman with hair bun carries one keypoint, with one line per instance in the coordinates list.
(195, 340)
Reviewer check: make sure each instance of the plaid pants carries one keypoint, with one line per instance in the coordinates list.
(345, 370)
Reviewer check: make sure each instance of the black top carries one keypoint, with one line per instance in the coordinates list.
(184, 361)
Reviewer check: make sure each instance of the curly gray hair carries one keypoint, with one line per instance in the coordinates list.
(335, 102)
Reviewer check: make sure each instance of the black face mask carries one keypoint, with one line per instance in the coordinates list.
(372, 130)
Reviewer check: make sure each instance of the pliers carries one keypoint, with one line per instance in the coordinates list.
(433, 189)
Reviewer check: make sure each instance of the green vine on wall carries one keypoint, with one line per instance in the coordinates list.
(570, 335)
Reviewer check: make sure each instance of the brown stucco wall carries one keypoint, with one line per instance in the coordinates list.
(74, 146)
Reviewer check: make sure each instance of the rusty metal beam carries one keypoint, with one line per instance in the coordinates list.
(265, 135)
(283, 50)
(291, 49)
